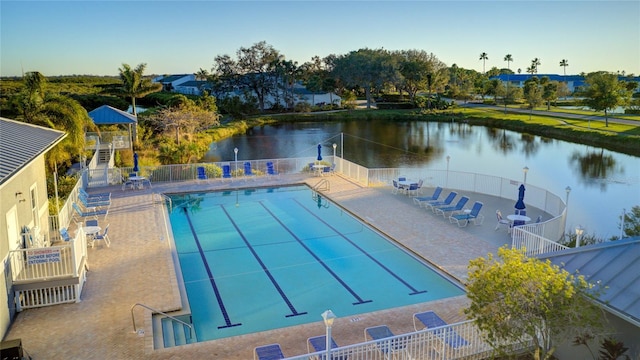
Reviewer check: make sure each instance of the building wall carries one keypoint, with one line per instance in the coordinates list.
(621, 330)
(30, 177)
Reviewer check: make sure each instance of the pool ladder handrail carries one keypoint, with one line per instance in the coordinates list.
(323, 184)
(133, 320)
(165, 198)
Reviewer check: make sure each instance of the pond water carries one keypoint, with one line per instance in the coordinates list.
(603, 182)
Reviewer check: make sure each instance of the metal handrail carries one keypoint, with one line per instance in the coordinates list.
(163, 198)
(133, 320)
(322, 182)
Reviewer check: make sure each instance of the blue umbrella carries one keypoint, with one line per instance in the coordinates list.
(520, 203)
(319, 152)
(135, 162)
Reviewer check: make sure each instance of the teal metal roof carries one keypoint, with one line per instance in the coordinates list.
(21, 143)
(615, 265)
(107, 115)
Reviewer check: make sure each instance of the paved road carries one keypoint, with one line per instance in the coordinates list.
(554, 113)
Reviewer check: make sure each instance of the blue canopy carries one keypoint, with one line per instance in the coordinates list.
(520, 203)
(319, 152)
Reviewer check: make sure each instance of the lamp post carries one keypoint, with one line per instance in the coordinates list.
(566, 206)
(235, 152)
(525, 170)
(447, 181)
(328, 318)
(335, 146)
(579, 232)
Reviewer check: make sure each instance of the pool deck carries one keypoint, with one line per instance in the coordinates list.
(138, 268)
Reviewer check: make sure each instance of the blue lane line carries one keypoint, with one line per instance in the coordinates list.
(223, 309)
(414, 290)
(294, 312)
(360, 300)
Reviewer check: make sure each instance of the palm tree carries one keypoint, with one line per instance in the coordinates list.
(534, 65)
(134, 85)
(55, 111)
(202, 74)
(484, 57)
(564, 63)
(508, 58)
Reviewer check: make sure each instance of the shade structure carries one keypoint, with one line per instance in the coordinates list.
(520, 203)
(135, 162)
(319, 152)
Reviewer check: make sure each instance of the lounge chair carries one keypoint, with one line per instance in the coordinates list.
(462, 219)
(326, 171)
(431, 320)
(447, 201)
(226, 171)
(502, 221)
(89, 213)
(268, 352)
(202, 174)
(93, 203)
(247, 170)
(389, 347)
(102, 196)
(104, 237)
(443, 210)
(421, 199)
(64, 234)
(319, 343)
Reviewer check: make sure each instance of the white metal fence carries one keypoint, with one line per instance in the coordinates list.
(455, 341)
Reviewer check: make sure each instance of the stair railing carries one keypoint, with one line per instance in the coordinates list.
(133, 320)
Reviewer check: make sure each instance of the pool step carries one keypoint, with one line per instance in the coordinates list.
(175, 333)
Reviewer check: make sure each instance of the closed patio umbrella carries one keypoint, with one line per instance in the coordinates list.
(135, 162)
(319, 152)
(520, 203)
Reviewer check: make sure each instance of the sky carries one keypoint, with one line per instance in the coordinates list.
(178, 37)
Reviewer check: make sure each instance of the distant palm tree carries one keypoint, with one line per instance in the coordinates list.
(564, 63)
(202, 74)
(134, 85)
(484, 57)
(508, 58)
(534, 65)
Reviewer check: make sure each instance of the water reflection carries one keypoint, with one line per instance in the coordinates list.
(598, 178)
(594, 166)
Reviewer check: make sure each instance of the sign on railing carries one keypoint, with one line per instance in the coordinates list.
(43, 255)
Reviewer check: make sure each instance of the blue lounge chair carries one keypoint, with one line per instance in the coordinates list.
(89, 213)
(226, 171)
(389, 347)
(102, 196)
(443, 210)
(447, 201)
(202, 174)
(434, 197)
(474, 216)
(247, 170)
(268, 352)
(64, 234)
(326, 170)
(91, 203)
(431, 320)
(319, 343)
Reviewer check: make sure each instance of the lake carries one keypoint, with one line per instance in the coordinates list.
(603, 182)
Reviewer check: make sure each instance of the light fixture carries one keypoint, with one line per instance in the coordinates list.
(235, 152)
(328, 318)
(525, 170)
(20, 197)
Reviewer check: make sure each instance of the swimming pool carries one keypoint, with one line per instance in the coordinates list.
(267, 258)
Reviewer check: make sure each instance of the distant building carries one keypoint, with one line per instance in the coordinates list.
(188, 85)
(574, 82)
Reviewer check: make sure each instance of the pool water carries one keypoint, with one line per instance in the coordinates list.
(262, 259)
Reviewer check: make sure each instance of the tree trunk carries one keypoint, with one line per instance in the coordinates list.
(367, 92)
(606, 118)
